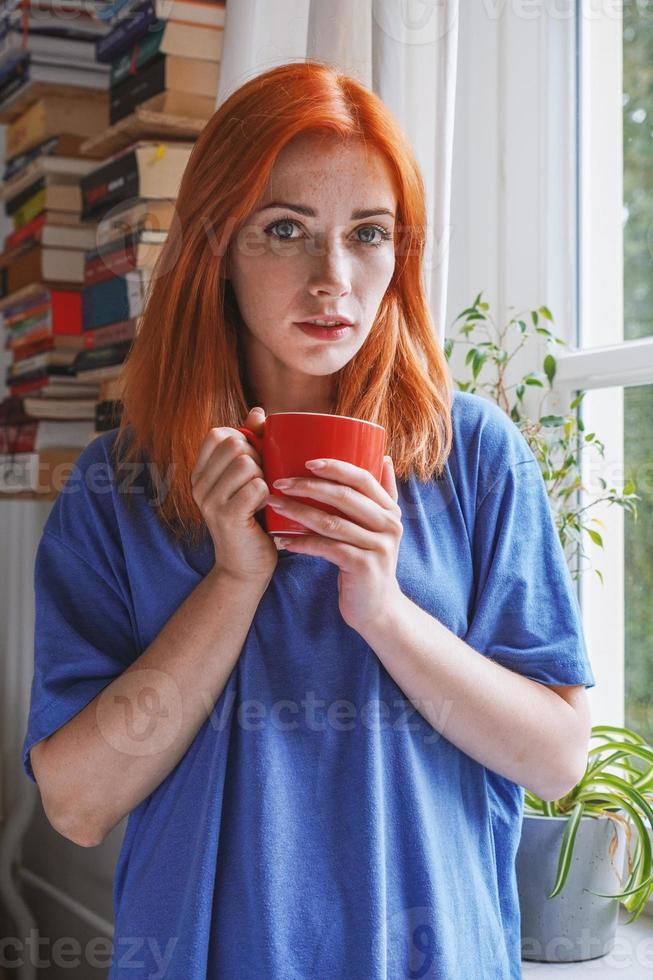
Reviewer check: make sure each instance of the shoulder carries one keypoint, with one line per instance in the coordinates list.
(486, 442)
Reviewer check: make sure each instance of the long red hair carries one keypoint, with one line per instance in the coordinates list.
(185, 372)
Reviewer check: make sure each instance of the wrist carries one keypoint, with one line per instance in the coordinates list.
(222, 578)
(387, 623)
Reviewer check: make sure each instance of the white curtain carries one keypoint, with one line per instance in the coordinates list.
(404, 50)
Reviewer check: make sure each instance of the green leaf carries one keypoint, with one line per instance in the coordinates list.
(478, 361)
(550, 367)
(469, 355)
(566, 848)
(551, 420)
(600, 576)
(448, 347)
(629, 487)
(533, 381)
(519, 392)
(595, 536)
(534, 317)
(522, 326)
(546, 312)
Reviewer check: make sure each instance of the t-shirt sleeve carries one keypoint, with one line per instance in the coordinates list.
(85, 632)
(525, 613)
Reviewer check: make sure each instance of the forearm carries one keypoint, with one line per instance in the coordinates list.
(123, 744)
(509, 723)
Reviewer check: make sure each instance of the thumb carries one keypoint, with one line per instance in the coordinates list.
(255, 418)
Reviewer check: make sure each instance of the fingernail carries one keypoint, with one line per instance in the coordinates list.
(258, 409)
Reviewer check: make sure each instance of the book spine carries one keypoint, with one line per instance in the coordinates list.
(125, 32)
(138, 55)
(30, 209)
(30, 230)
(137, 88)
(109, 184)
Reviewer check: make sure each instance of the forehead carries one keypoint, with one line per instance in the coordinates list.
(317, 164)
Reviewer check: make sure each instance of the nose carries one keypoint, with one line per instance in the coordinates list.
(330, 272)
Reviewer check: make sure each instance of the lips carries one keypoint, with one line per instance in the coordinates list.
(342, 320)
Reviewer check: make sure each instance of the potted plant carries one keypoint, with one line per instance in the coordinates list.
(575, 852)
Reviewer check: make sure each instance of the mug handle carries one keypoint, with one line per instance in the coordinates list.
(253, 437)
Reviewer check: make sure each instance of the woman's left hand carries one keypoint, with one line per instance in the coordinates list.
(364, 543)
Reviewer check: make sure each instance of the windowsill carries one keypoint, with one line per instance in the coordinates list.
(631, 956)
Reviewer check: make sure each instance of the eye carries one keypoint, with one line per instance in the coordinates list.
(384, 234)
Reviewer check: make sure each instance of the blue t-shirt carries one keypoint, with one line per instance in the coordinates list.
(317, 826)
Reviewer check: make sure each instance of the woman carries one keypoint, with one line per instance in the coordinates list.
(321, 748)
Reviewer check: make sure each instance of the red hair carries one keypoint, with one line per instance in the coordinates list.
(185, 372)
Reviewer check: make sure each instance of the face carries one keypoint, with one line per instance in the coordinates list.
(287, 265)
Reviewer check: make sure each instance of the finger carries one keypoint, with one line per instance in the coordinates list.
(328, 525)
(355, 476)
(345, 557)
(221, 447)
(352, 503)
(255, 420)
(212, 439)
(389, 479)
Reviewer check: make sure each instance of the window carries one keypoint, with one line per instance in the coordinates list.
(613, 361)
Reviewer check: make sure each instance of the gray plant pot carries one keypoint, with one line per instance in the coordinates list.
(574, 925)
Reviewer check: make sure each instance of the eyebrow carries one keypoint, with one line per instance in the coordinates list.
(312, 213)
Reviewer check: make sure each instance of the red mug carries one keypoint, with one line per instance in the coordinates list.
(291, 438)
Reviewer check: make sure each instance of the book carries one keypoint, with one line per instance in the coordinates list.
(118, 298)
(40, 361)
(128, 29)
(54, 115)
(133, 58)
(60, 408)
(45, 195)
(39, 229)
(88, 362)
(29, 67)
(61, 145)
(57, 48)
(149, 215)
(208, 13)
(150, 87)
(34, 435)
(65, 170)
(39, 262)
(143, 169)
(140, 249)
(61, 309)
(192, 40)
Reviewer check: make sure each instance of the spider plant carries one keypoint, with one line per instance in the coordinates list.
(617, 784)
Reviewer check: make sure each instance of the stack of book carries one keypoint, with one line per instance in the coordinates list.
(164, 56)
(49, 42)
(93, 164)
(131, 196)
(42, 263)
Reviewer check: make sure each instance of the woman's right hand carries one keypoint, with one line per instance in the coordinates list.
(229, 489)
